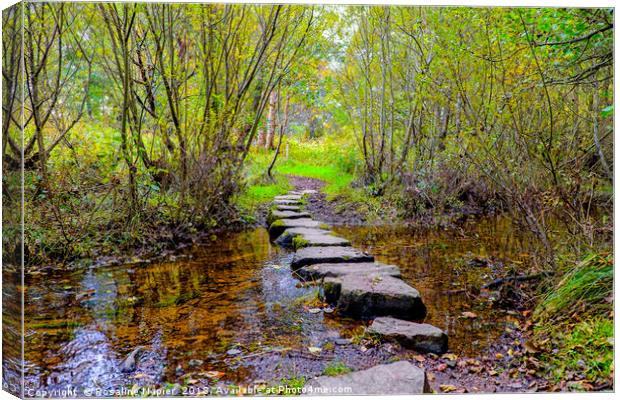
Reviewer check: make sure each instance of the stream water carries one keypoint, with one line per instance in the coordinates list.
(231, 313)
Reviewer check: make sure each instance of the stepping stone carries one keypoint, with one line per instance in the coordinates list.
(319, 271)
(421, 337)
(305, 191)
(328, 254)
(275, 214)
(287, 202)
(304, 237)
(278, 226)
(284, 207)
(296, 197)
(370, 296)
(401, 377)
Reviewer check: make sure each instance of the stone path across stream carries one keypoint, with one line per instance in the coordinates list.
(358, 287)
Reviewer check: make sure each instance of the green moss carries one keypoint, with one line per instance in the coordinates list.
(277, 223)
(336, 368)
(324, 226)
(299, 242)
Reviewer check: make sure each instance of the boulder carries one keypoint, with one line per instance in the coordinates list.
(400, 377)
(374, 295)
(276, 214)
(278, 226)
(328, 254)
(319, 271)
(305, 237)
(421, 337)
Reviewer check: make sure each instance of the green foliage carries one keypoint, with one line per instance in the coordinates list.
(586, 348)
(336, 368)
(583, 289)
(574, 322)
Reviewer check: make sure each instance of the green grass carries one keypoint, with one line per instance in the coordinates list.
(332, 160)
(336, 368)
(587, 349)
(584, 286)
(574, 322)
(337, 180)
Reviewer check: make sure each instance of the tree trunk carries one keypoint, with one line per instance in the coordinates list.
(271, 121)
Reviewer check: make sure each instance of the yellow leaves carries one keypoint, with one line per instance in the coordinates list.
(447, 388)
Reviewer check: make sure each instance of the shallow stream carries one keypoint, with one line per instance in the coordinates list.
(230, 313)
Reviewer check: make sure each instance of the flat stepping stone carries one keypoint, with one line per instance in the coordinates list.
(285, 202)
(297, 197)
(275, 214)
(284, 207)
(319, 271)
(305, 191)
(421, 337)
(278, 226)
(307, 237)
(371, 296)
(328, 254)
(401, 377)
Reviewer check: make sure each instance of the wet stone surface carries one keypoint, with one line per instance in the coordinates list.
(275, 215)
(397, 378)
(425, 338)
(319, 271)
(321, 255)
(279, 226)
(374, 295)
(309, 237)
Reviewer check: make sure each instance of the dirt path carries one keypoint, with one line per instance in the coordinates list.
(331, 212)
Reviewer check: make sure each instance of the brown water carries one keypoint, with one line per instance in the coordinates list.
(230, 312)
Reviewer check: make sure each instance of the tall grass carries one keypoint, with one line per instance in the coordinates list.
(582, 288)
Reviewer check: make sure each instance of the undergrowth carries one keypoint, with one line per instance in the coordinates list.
(574, 324)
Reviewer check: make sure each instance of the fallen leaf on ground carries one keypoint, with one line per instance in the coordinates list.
(214, 374)
(469, 314)
(314, 350)
(419, 357)
(447, 388)
(449, 356)
(442, 367)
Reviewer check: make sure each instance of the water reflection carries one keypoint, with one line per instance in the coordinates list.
(219, 307)
(449, 266)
